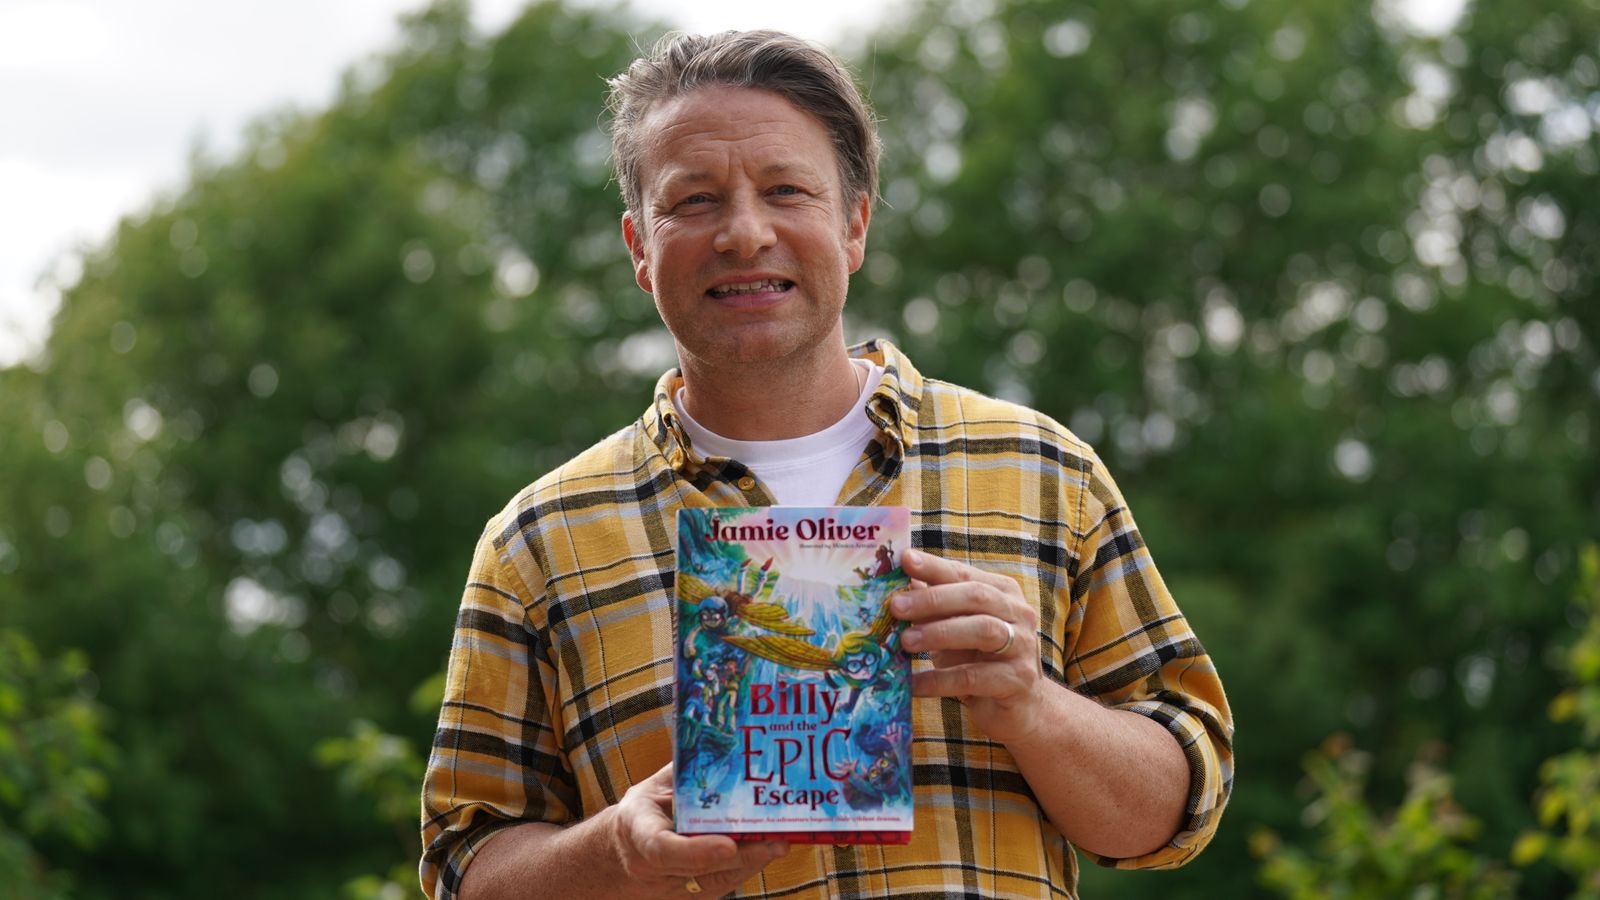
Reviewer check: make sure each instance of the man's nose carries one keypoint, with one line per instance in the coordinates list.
(746, 228)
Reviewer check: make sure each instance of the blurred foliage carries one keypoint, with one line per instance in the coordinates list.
(384, 769)
(1321, 288)
(53, 759)
(1421, 850)
(275, 411)
(381, 765)
(1569, 791)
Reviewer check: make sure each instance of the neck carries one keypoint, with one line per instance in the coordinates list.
(773, 401)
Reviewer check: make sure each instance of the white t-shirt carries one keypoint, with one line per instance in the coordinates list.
(802, 471)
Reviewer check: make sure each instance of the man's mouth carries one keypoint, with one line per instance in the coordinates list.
(770, 285)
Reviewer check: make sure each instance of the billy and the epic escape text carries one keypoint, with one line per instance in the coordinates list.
(770, 757)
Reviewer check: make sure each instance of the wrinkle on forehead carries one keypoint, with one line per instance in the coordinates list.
(709, 126)
(714, 135)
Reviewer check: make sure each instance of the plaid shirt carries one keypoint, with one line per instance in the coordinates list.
(559, 690)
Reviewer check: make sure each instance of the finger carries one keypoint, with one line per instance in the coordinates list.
(956, 588)
(968, 680)
(649, 828)
(656, 790)
(920, 564)
(676, 854)
(753, 857)
(985, 634)
(679, 854)
(722, 883)
(962, 599)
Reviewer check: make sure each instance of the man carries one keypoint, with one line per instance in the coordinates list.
(1061, 695)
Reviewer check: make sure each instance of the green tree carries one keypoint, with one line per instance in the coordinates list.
(53, 762)
(1422, 849)
(276, 408)
(1321, 290)
(1568, 801)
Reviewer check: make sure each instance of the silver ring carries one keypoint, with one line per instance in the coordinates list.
(1011, 635)
(692, 885)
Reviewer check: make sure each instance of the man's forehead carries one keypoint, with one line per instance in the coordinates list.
(711, 121)
(727, 109)
(686, 170)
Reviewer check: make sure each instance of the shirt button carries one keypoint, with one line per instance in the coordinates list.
(747, 483)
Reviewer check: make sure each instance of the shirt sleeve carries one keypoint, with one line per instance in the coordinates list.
(496, 758)
(1129, 647)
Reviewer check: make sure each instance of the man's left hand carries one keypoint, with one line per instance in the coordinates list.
(982, 636)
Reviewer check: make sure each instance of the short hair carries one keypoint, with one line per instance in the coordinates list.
(803, 73)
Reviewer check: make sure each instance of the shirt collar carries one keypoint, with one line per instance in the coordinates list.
(892, 407)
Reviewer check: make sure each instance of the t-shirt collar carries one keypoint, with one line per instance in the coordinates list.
(892, 407)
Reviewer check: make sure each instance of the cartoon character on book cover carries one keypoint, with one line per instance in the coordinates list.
(793, 694)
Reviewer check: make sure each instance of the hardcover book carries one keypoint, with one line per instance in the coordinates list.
(793, 693)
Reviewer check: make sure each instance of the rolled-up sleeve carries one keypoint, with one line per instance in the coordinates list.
(495, 761)
(1130, 647)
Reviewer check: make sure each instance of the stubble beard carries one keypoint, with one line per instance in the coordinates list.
(757, 348)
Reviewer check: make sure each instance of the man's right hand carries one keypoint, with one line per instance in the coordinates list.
(625, 852)
(655, 857)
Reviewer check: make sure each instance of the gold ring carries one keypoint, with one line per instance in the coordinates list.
(1011, 635)
(692, 885)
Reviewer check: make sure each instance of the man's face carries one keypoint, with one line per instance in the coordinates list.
(745, 239)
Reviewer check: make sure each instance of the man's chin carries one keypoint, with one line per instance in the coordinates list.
(748, 345)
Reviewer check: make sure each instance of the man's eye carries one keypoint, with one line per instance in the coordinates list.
(694, 200)
(786, 190)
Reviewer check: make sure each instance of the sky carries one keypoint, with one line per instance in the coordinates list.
(103, 102)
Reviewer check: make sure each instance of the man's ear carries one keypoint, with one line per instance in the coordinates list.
(635, 242)
(855, 237)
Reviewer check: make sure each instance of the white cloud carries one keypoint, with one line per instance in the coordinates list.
(104, 100)
(837, 23)
(40, 35)
(47, 212)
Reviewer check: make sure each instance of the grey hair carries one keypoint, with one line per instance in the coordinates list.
(806, 75)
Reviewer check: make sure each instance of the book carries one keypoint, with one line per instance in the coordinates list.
(793, 695)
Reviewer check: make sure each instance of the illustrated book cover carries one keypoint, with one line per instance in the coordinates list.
(793, 694)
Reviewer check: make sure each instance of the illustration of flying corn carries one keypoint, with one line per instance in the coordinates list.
(762, 614)
(856, 655)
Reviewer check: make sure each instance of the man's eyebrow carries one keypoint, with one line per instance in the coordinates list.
(672, 182)
(695, 177)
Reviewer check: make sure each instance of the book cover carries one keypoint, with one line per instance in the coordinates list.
(793, 693)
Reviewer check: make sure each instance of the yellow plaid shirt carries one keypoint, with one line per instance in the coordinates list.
(559, 689)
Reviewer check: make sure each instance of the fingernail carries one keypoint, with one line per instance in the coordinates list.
(900, 603)
(911, 638)
(911, 556)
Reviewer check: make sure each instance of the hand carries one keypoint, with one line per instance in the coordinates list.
(983, 638)
(662, 862)
(894, 732)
